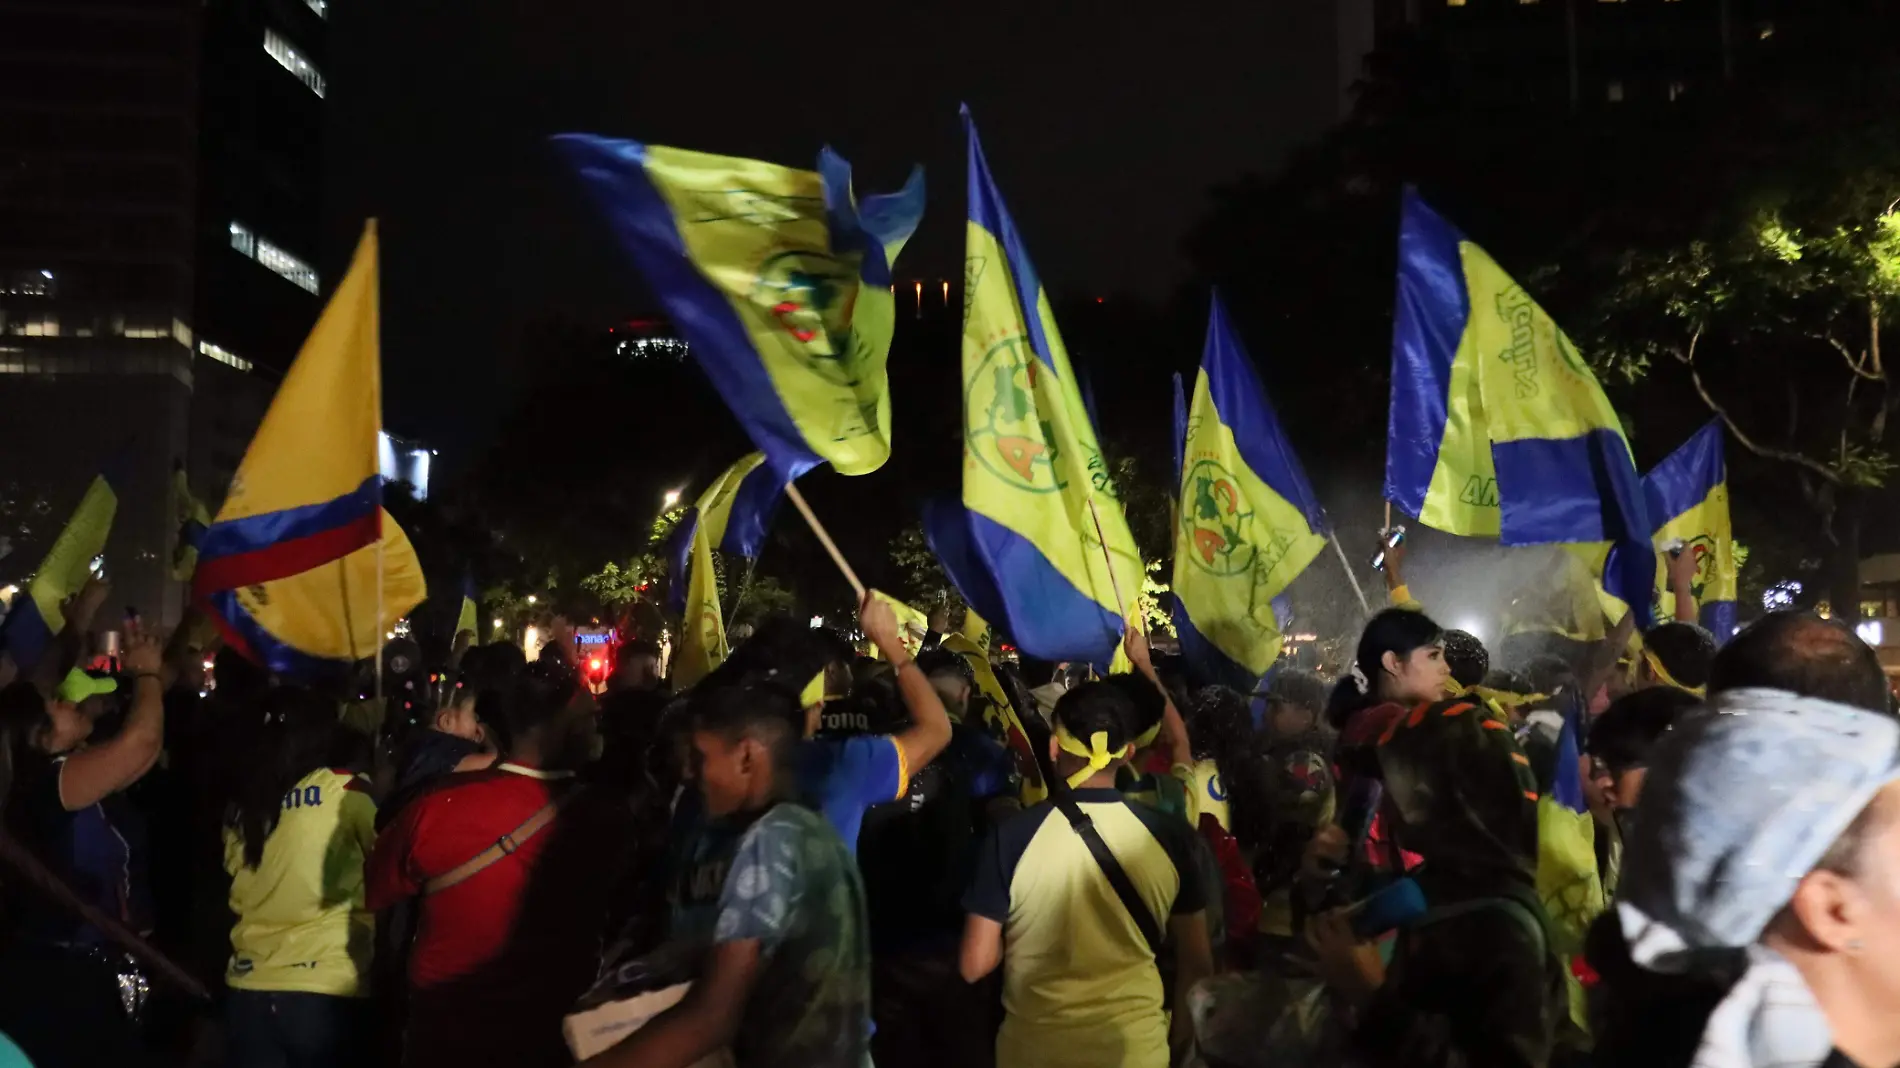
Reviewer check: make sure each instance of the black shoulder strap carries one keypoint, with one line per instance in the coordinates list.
(1112, 868)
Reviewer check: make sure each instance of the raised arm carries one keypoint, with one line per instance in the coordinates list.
(96, 772)
(929, 730)
(1173, 727)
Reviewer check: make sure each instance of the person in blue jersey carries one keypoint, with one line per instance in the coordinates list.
(1081, 983)
(776, 907)
(68, 993)
(843, 775)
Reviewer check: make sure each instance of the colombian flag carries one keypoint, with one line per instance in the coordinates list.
(779, 279)
(1249, 523)
(1026, 548)
(1498, 428)
(1688, 495)
(732, 516)
(36, 616)
(289, 567)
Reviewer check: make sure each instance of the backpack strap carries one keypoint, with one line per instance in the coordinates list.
(503, 848)
(1084, 828)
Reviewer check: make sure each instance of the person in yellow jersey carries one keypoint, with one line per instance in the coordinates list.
(294, 842)
(1081, 985)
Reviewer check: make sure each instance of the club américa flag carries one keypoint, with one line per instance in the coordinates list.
(468, 617)
(1249, 522)
(735, 512)
(1687, 494)
(1026, 545)
(731, 515)
(779, 280)
(1498, 428)
(289, 568)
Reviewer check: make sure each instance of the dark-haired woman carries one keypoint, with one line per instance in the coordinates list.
(68, 994)
(295, 839)
(1399, 664)
(514, 866)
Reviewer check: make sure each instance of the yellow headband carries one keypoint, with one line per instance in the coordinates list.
(1663, 676)
(1145, 739)
(1096, 753)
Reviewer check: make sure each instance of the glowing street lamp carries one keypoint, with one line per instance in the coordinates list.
(672, 498)
(531, 598)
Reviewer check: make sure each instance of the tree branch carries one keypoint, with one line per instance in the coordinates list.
(1687, 359)
(1857, 365)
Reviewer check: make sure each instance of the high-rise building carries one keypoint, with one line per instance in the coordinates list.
(160, 175)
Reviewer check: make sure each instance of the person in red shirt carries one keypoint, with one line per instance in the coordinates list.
(514, 866)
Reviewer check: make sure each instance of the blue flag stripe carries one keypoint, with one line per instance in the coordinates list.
(1180, 428)
(1429, 319)
(615, 172)
(1211, 666)
(1686, 477)
(1245, 410)
(1042, 610)
(865, 227)
(987, 211)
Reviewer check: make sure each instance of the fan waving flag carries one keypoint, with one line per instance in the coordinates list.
(1498, 428)
(190, 518)
(1030, 548)
(735, 512)
(37, 616)
(289, 569)
(731, 515)
(1688, 497)
(779, 280)
(1249, 523)
(468, 618)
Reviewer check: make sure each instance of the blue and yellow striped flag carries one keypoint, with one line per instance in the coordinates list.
(289, 568)
(779, 279)
(732, 515)
(1249, 522)
(36, 616)
(735, 512)
(1688, 497)
(1026, 548)
(1498, 428)
(468, 618)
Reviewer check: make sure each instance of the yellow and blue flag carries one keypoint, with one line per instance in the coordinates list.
(734, 512)
(1031, 546)
(731, 515)
(190, 517)
(37, 616)
(779, 280)
(1687, 495)
(1498, 428)
(288, 570)
(469, 617)
(1249, 522)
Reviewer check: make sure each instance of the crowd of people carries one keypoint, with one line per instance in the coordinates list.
(1648, 849)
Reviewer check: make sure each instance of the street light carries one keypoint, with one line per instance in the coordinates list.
(672, 498)
(531, 598)
(497, 624)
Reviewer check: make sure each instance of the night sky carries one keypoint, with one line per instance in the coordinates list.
(1103, 124)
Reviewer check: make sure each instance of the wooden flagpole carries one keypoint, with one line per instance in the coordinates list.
(824, 538)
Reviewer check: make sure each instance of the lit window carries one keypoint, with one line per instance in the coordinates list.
(1614, 92)
(1454, 3)
(297, 271)
(224, 356)
(321, 7)
(147, 330)
(293, 61)
(181, 333)
(1676, 89)
(1765, 30)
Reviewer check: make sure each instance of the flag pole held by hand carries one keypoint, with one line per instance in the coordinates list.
(824, 538)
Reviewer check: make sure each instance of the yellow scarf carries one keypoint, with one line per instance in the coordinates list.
(1663, 676)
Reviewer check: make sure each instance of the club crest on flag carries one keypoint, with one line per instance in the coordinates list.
(1217, 520)
(1003, 429)
(803, 287)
